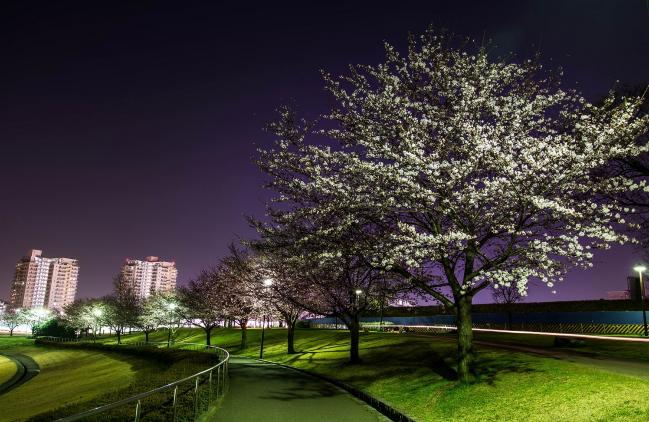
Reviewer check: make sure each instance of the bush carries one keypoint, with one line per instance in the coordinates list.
(55, 328)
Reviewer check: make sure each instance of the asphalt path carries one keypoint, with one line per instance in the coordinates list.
(261, 391)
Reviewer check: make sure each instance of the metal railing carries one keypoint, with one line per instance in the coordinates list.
(183, 404)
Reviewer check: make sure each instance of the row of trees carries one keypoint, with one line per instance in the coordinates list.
(14, 317)
(446, 172)
(233, 292)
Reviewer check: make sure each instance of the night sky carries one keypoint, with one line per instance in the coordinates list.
(127, 129)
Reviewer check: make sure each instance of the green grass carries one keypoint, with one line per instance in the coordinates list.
(596, 348)
(67, 376)
(7, 369)
(414, 374)
(74, 378)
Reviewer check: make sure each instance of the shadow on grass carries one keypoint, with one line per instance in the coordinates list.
(488, 368)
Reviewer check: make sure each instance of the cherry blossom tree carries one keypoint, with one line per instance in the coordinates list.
(201, 302)
(342, 285)
(465, 171)
(281, 298)
(636, 202)
(237, 286)
(121, 308)
(507, 295)
(151, 314)
(12, 318)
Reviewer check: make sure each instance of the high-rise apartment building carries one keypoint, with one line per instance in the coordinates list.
(150, 275)
(44, 282)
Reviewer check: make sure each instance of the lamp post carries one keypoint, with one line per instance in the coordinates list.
(267, 283)
(640, 269)
(171, 307)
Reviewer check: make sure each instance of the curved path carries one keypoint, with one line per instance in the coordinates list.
(26, 369)
(261, 391)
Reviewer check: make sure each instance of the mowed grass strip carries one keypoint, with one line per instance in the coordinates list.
(7, 369)
(415, 375)
(67, 376)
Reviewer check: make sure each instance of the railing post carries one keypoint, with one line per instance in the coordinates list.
(209, 396)
(218, 381)
(174, 404)
(196, 399)
(137, 411)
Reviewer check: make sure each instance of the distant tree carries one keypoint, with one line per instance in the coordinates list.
(12, 318)
(35, 317)
(85, 315)
(149, 315)
(506, 295)
(342, 285)
(164, 309)
(201, 300)
(238, 298)
(121, 308)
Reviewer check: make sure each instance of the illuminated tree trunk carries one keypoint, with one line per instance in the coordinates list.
(208, 335)
(464, 339)
(244, 335)
(354, 339)
(291, 337)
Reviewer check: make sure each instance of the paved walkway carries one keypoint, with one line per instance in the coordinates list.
(271, 393)
(26, 369)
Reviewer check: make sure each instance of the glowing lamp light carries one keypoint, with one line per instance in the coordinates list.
(97, 312)
(640, 268)
(268, 282)
(172, 306)
(359, 291)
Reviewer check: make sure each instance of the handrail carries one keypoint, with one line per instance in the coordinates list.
(223, 363)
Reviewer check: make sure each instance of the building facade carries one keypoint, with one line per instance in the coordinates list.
(41, 282)
(150, 275)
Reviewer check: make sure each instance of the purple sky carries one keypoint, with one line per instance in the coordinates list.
(127, 129)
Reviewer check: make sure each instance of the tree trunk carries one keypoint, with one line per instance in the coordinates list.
(354, 337)
(244, 336)
(146, 336)
(119, 336)
(291, 337)
(464, 339)
(11, 332)
(509, 319)
(208, 334)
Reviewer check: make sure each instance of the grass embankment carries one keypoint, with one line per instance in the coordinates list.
(595, 348)
(7, 369)
(416, 375)
(74, 378)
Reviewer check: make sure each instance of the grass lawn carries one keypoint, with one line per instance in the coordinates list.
(74, 378)
(415, 374)
(67, 376)
(7, 369)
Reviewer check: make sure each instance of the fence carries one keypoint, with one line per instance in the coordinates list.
(179, 401)
(603, 322)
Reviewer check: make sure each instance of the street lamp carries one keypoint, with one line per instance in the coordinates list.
(267, 283)
(640, 269)
(171, 308)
